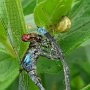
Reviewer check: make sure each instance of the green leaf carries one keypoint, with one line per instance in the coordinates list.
(8, 71)
(79, 32)
(16, 25)
(79, 67)
(48, 66)
(28, 6)
(5, 44)
(38, 1)
(86, 88)
(49, 12)
(12, 27)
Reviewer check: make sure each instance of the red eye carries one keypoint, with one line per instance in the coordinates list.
(25, 37)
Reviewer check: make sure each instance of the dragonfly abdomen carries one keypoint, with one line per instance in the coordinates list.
(33, 75)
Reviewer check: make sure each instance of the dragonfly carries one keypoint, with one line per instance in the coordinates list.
(36, 48)
(33, 52)
(37, 41)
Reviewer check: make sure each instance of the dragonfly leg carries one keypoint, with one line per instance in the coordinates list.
(49, 56)
(35, 79)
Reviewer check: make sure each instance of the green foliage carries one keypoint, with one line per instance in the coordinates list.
(79, 32)
(49, 12)
(8, 71)
(87, 87)
(28, 6)
(16, 26)
(46, 13)
(10, 44)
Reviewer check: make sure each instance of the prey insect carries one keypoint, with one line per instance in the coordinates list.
(37, 45)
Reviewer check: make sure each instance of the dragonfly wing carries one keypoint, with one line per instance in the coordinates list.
(23, 81)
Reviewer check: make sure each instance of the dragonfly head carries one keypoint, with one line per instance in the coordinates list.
(31, 37)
